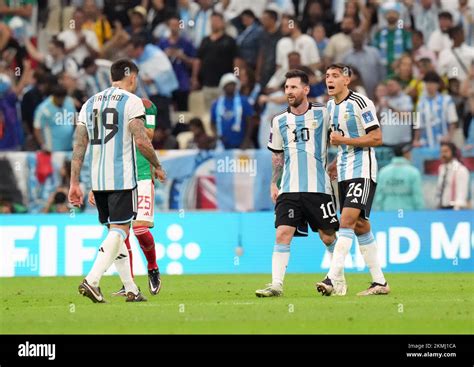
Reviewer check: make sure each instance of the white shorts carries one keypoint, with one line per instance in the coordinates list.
(146, 202)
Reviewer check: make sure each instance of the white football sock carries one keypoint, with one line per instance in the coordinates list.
(342, 248)
(122, 264)
(280, 258)
(368, 249)
(106, 255)
(330, 249)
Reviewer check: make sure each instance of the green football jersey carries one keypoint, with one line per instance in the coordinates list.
(144, 168)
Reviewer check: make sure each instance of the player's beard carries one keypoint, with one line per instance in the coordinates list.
(296, 103)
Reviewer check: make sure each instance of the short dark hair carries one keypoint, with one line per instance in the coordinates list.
(293, 19)
(122, 68)
(272, 14)
(418, 33)
(401, 149)
(249, 13)
(56, 42)
(445, 14)
(217, 14)
(452, 147)
(59, 91)
(295, 73)
(137, 40)
(345, 69)
(432, 77)
(88, 61)
(60, 198)
(455, 30)
(197, 122)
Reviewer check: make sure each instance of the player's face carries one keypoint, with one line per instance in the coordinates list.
(296, 92)
(337, 81)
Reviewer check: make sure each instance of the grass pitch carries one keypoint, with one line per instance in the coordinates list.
(210, 304)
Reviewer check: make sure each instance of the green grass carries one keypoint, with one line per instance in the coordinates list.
(419, 303)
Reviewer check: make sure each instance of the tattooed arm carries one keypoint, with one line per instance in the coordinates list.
(277, 172)
(80, 146)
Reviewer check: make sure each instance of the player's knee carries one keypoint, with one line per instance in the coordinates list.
(327, 238)
(348, 222)
(362, 227)
(284, 236)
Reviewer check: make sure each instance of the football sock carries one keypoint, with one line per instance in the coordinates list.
(280, 258)
(129, 248)
(330, 249)
(122, 264)
(368, 249)
(106, 255)
(147, 244)
(342, 248)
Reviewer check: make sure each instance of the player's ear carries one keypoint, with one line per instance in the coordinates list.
(306, 89)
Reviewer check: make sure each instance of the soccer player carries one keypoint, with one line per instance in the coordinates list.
(298, 141)
(111, 123)
(355, 130)
(145, 214)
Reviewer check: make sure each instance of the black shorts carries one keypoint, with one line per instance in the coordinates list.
(357, 193)
(116, 207)
(295, 209)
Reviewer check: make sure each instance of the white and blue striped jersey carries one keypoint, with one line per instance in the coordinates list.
(303, 140)
(112, 147)
(435, 114)
(354, 117)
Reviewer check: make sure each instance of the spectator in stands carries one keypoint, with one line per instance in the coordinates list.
(116, 11)
(12, 8)
(79, 42)
(138, 24)
(266, 61)
(230, 115)
(315, 13)
(466, 12)
(203, 22)
(419, 50)
(249, 39)
(248, 85)
(36, 94)
(95, 75)
(357, 84)
(453, 180)
(57, 202)
(467, 91)
(11, 132)
(182, 54)
(367, 60)
(157, 80)
(200, 139)
(55, 59)
(399, 184)
(397, 119)
(187, 10)
(158, 14)
(215, 57)
(437, 115)
(425, 15)
(393, 40)
(54, 122)
(70, 83)
(439, 39)
(319, 34)
(340, 43)
(163, 140)
(454, 61)
(416, 88)
(114, 49)
(11, 52)
(278, 79)
(403, 70)
(96, 22)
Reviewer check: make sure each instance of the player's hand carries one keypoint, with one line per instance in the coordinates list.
(91, 198)
(76, 197)
(160, 174)
(337, 139)
(274, 192)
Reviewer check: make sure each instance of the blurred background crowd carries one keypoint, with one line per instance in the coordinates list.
(215, 71)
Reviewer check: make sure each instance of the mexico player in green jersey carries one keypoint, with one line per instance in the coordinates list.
(145, 208)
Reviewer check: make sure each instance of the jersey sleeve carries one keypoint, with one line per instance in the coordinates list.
(275, 141)
(134, 109)
(82, 118)
(368, 116)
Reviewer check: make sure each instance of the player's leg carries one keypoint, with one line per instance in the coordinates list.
(288, 217)
(368, 249)
(280, 259)
(118, 265)
(141, 229)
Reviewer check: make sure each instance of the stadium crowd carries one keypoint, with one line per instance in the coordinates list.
(215, 70)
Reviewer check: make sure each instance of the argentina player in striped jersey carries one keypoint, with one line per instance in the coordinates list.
(355, 130)
(111, 124)
(298, 141)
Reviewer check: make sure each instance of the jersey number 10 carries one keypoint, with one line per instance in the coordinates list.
(96, 140)
(304, 134)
